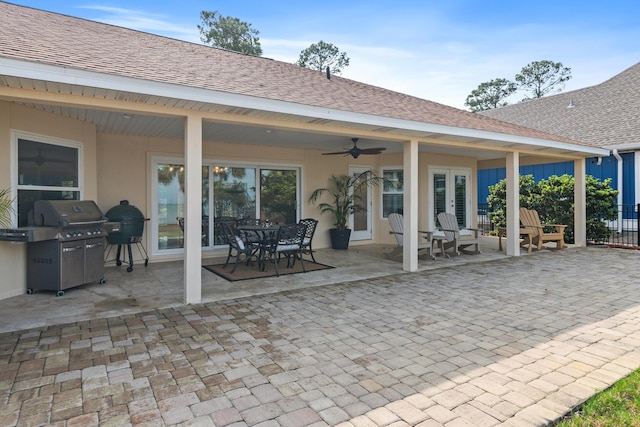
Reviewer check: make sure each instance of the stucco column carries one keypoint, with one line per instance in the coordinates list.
(410, 208)
(513, 204)
(580, 202)
(193, 209)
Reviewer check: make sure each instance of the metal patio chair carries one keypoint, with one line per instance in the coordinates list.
(311, 224)
(238, 246)
(288, 242)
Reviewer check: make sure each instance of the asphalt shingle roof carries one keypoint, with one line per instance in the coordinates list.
(39, 36)
(604, 115)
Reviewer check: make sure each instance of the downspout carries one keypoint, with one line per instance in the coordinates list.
(620, 186)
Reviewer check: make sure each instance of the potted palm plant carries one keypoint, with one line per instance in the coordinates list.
(5, 209)
(343, 192)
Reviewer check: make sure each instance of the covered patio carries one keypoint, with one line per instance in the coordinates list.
(143, 107)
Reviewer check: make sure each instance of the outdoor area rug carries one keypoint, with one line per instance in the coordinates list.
(251, 271)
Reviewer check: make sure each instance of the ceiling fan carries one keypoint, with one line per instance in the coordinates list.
(355, 151)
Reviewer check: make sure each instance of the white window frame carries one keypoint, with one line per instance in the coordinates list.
(382, 192)
(15, 136)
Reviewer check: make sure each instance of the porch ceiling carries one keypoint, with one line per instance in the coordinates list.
(126, 123)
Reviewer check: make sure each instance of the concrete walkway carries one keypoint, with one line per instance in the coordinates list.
(514, 341)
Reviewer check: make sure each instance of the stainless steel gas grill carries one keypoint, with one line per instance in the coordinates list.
(75, 255)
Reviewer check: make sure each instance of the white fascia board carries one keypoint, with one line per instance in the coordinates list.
(625, 147)
(73, 76)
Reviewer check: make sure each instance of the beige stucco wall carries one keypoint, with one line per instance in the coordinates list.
(20, 118)
(124, 172)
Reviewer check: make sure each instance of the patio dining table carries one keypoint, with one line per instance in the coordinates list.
(265, 234)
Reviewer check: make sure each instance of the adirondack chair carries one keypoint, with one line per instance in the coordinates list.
(396, 223)
(529, 219)
(457, 238)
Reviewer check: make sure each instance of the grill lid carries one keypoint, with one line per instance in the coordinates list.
(65, 213)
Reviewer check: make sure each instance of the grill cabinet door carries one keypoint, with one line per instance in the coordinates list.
(94, 260)
(71, 264)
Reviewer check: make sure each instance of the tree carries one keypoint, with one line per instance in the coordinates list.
(229, 33)
(497, 198)
(538, 78)
(490, 95)
(542, 77)
(321, 55)
(554, 200)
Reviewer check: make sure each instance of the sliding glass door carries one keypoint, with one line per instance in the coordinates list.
(234, 196)
(279, 195)
(169, 206)
(235, 192)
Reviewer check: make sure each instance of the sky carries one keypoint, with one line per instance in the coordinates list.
(438, 50)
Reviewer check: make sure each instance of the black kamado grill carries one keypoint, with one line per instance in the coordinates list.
(130, 231)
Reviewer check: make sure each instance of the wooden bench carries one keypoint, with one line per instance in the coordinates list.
(525, 233)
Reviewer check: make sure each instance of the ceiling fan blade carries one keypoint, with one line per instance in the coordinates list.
(372, 150)
(336, 152)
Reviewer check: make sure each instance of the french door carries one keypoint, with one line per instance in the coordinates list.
(360, 222)
(450, 191)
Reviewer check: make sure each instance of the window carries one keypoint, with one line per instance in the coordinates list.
(45, 171)
(392, 191)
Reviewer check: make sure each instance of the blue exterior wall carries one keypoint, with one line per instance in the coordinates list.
(608, 168)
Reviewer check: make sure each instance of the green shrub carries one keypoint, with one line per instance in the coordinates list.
(553, 199)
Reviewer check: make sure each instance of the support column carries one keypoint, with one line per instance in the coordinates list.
(410, 207)
(193, 210)
(580, 202)
(513, 204)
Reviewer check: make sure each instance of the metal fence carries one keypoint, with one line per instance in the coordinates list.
(623, 230)
(484, 219)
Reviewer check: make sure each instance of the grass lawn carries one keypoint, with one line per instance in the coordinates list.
(616, 406)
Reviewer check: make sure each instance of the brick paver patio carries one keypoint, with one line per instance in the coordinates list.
(517, 342)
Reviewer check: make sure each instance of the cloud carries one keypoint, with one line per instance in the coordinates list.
(144, 21)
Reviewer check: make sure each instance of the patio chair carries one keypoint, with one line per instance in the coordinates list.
(311, 224)
(457, 238)
(530, 219)
(205, 230)
(396, 223)
(238, 245)
(288, 242)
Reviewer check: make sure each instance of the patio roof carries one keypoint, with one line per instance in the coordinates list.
(91, 67)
